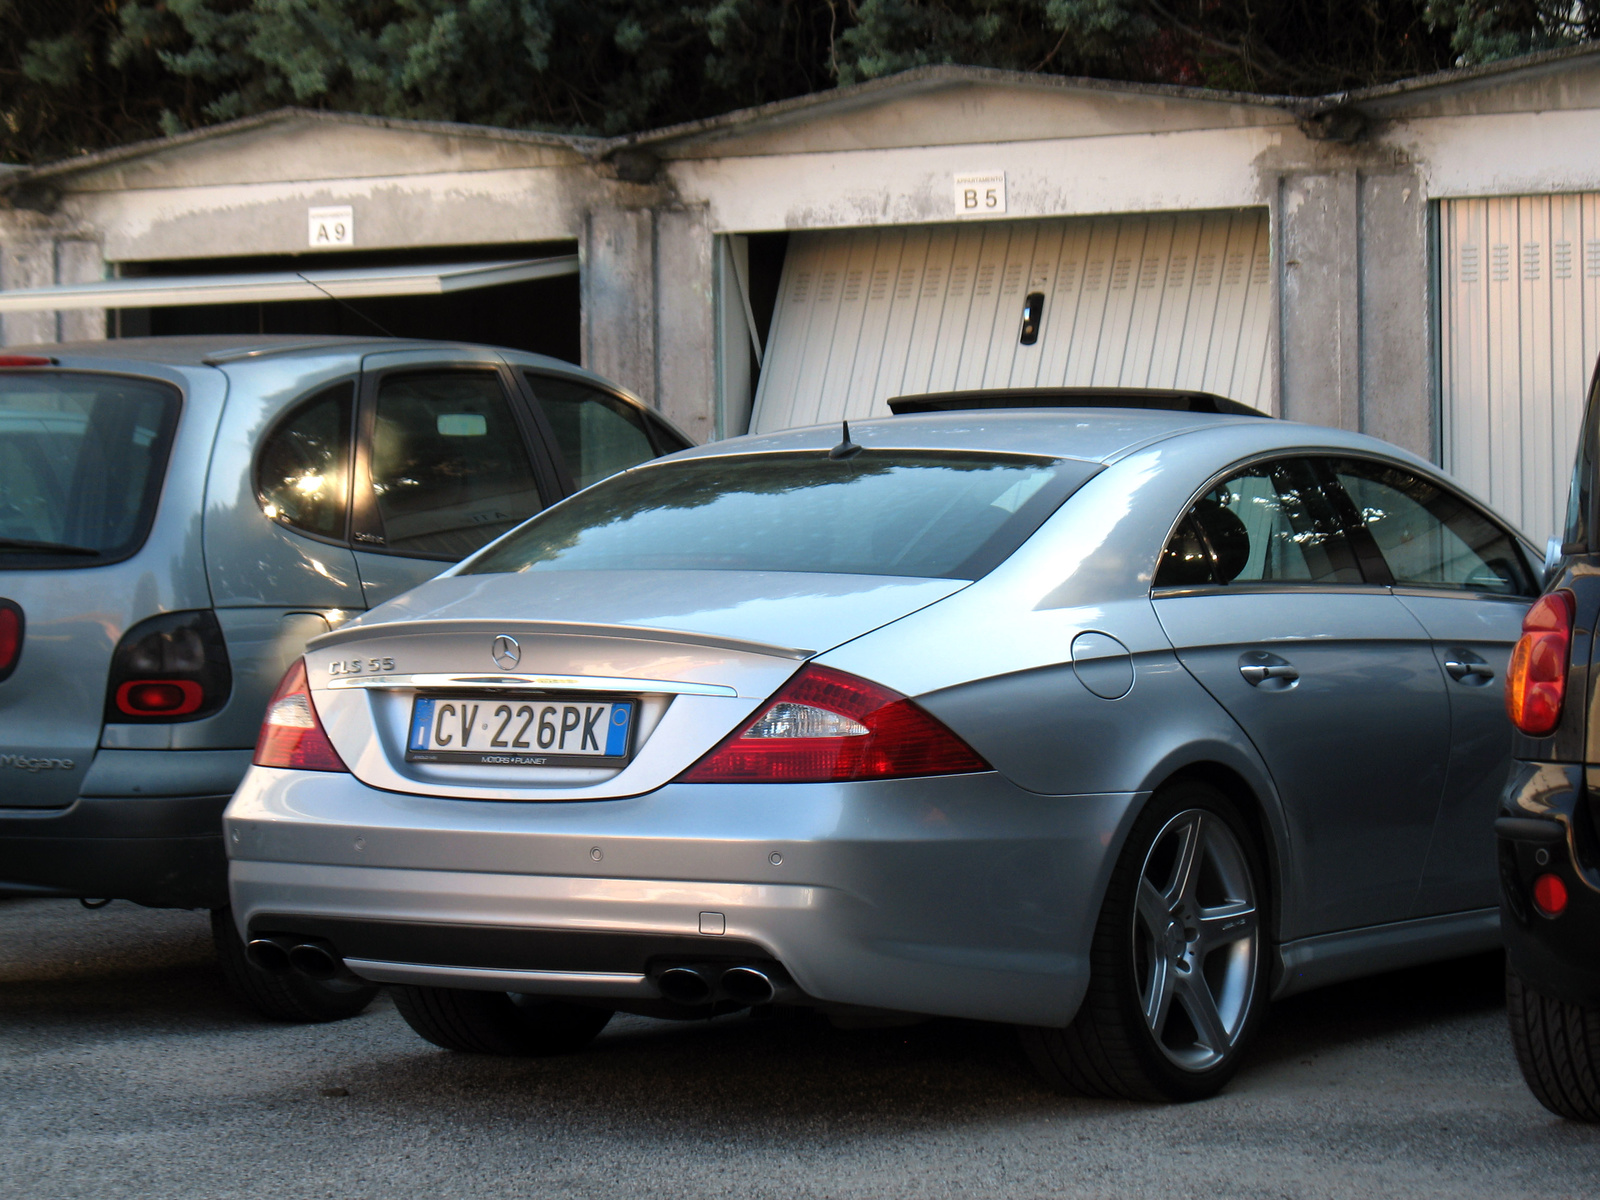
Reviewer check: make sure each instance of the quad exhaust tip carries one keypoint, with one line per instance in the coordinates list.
(685, 985)
(281, 954)
(268, 955)
(315, 961)
(748, 985)
(704, 983)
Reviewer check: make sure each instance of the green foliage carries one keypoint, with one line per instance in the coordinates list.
(1485, 30)
(77, 75)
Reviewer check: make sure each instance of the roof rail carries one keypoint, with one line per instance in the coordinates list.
(1065, 397)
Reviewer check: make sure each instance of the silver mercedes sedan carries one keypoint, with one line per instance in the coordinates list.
(1110, 718)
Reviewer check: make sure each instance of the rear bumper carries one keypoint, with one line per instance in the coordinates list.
(960, 895)
(161, 851)
(1545, 827)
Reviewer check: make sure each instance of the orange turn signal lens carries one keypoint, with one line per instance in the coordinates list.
(1536, 684)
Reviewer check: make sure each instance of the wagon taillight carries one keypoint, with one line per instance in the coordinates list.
(1536, 684)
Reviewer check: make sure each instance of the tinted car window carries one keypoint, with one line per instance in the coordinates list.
(81, 463)
(302, 476)
(598, 434)
(450, 471)
(1270, 523)
(1429, 536)
(913, 513)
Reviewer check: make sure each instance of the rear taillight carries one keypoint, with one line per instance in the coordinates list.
(292, 733)
(825, 726)
(26, 360)
(1536, 684)
(12, 626)
(169, 668)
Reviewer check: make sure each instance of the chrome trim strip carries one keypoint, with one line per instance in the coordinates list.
(519, 627)
(537, 983)
(512, 682)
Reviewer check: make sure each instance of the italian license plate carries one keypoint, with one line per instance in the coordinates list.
(497, 731)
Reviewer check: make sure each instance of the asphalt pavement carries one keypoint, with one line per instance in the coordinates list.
(127, 1071)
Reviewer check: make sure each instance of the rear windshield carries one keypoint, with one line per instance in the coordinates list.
(81, 463)
(926, 514)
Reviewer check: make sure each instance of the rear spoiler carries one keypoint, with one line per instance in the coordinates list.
(1051, 397)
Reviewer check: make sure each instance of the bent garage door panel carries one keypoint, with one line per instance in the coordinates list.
(1180, 300)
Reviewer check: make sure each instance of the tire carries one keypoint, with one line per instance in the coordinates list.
(1202, 974)
(503, 1023)
(286, 997)
(1558, 1049)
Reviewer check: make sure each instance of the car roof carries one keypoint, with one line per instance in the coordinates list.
(211, 349)
(1099, 435)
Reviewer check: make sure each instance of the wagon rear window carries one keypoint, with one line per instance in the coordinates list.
(81, 463)
(925, 514)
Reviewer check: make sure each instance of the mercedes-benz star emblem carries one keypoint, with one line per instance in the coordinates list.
(507, 653)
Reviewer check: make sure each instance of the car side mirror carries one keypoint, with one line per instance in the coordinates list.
(1552, 561)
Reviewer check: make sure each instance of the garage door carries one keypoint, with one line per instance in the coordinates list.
(1158, 301)
(1520, 314)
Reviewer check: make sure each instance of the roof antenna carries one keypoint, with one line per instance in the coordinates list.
(846, 448)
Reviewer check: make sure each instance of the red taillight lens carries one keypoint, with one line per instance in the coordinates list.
(1550, 895)
(1536, 684)
(825, 726)
(11, 625)
(170, 667)
(26, 360)
(159, 697)
(292, 734)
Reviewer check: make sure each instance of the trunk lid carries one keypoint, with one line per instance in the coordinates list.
(693, 652)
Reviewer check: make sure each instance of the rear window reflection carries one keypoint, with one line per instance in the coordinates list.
(925, 514)
(81, 463)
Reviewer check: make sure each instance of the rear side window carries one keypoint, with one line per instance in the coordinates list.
(1431, 537)
(450, 471)
(1270, 523)
(303, 474)
(925, 514)
(598, 434)
(82, 458)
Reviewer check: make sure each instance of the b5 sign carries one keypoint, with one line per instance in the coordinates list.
(981, 195)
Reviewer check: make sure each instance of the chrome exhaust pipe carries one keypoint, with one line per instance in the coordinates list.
(315, 961)
(748, 985)
(265, 954)
(684, 985)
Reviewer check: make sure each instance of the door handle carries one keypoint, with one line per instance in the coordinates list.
(1262, 669)
(1464, 668)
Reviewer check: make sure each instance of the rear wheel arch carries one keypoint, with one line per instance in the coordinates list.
(1254, 808)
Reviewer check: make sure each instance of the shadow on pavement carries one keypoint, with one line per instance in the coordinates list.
(1381, 1006)
(133, 973)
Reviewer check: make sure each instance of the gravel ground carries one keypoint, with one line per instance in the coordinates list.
(126, 1071)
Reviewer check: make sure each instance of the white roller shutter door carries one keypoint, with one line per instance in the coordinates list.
(1179, 301)
(1520, 315)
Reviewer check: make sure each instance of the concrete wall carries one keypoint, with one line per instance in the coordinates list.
(1355, 320)
(37, 251)
(648, 323)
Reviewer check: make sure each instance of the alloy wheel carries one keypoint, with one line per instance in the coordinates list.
(1196, 939)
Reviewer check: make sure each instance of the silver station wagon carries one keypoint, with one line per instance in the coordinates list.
(178, 516)
(1111, 723)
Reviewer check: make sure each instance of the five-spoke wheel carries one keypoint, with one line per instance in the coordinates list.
(1196, 939)
(1177, 973)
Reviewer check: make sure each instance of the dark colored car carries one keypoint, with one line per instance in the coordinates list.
(178, 516)
(1549, 830)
